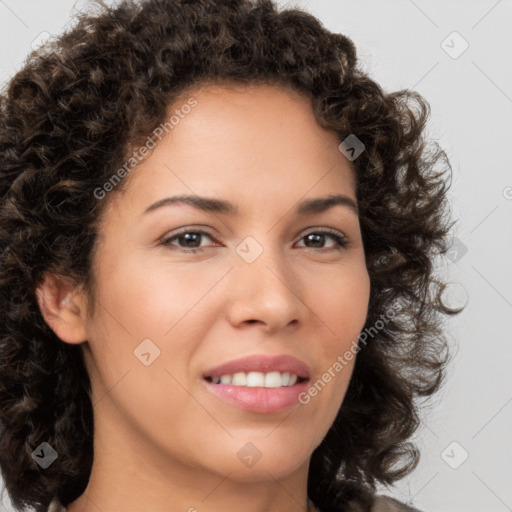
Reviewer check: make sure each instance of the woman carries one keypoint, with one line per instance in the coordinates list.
(217, 240)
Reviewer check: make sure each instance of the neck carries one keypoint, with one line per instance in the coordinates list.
(159, 480)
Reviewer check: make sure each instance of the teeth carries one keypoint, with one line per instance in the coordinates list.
(258, 379)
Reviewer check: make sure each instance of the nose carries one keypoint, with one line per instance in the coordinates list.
(265, 292)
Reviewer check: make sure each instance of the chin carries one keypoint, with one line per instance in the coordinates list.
(252, 464)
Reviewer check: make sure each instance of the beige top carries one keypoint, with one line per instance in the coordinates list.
(381, 504)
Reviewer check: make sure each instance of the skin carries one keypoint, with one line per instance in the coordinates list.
(162, 441)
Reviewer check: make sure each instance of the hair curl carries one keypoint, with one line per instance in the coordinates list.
(68, 119)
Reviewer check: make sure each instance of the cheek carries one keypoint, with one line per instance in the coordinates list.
(140, 302)
(340, 300)
(167, 304)
(150, 297)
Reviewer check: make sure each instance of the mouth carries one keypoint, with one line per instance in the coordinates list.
(259, 383)
(258, 399)
(260, 371)
(273, 379)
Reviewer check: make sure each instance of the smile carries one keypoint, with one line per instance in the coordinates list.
(257, 379)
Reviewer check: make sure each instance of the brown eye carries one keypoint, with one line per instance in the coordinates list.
(190, 240)
(318, 238)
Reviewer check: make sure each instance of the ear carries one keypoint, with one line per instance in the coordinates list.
(63, 307)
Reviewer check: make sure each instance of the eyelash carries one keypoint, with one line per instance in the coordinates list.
(341, 240)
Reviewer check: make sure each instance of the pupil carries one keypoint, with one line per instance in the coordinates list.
(189, 237)
(316, 238)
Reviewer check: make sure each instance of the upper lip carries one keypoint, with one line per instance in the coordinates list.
(263, 364)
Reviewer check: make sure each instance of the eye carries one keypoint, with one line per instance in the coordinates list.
(192, 240)
(318, 237)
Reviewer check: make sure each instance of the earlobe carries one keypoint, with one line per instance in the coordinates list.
(62, 306)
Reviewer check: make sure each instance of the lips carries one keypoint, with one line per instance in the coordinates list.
(263, 364)
(254, 397)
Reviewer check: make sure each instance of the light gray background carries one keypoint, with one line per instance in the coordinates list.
(400, 43)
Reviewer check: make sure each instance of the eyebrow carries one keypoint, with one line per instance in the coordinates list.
(213, 205)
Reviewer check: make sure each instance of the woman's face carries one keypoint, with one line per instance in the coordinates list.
(265, 282)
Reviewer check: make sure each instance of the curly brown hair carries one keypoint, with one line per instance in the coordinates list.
(69, 117)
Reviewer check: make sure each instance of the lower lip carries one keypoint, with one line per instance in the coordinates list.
(259, 399)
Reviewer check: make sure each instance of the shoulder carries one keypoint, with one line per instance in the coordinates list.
(383, 503)
(380, 504)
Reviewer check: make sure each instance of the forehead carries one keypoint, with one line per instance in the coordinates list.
(259, 137)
